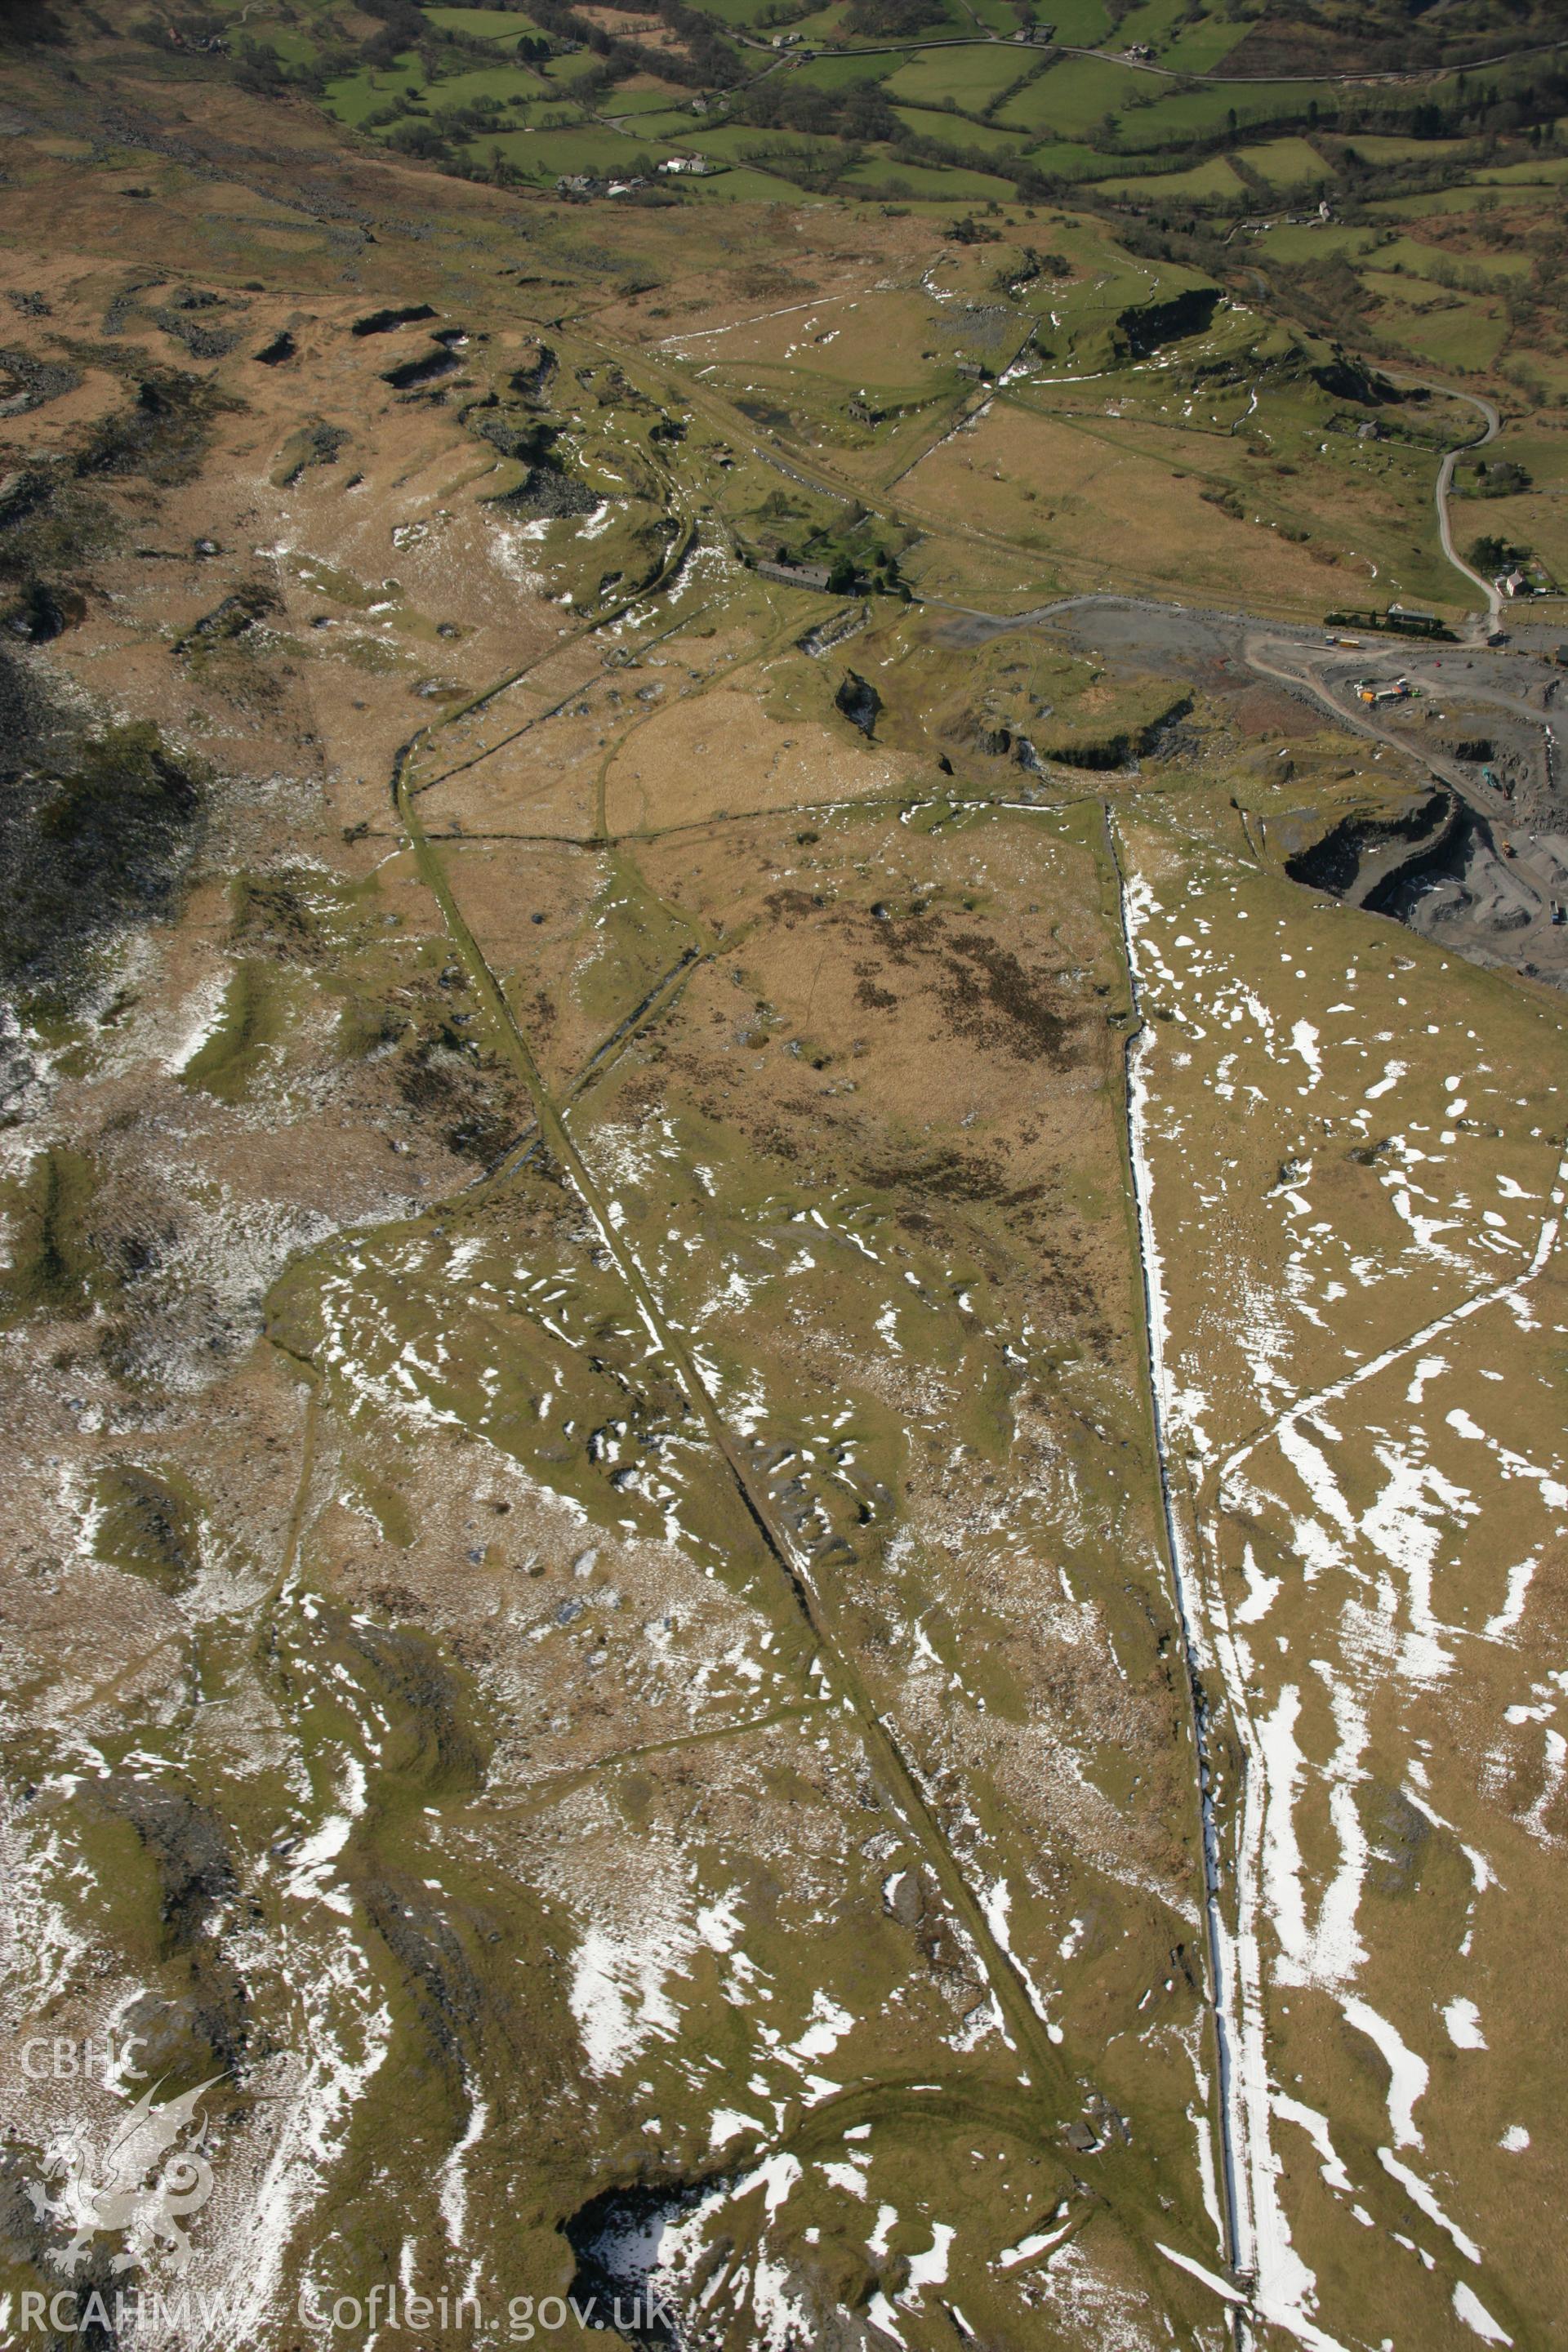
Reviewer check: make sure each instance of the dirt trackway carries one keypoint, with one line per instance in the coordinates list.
(1493, 423)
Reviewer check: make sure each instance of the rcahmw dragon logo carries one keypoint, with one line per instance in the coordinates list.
(145, 2184)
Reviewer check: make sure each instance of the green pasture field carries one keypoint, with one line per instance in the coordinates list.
(1547, 172)
(1543, 455)
(1307, 244)
(816, 31)
(1080, 24)
(1375, 150)
(564, 71)
(1211, 178)
(1519, 196)
(1193, 46)
(669, 127)
(745, 184)
(970, 78)
(830, 26)
(957, 130)
(1203, 48)
(1287, 163)
(1154, 23)
(1095, 255)
(846, 71)
(547, 155)
(510, 84)
(290, 48)
(1117, 280)
(1184, 113)
(1438, 201)
(733, 141)
(485, 24)
(1420, 260)
(1067, 159)
(1072, 97)
(1462, 338)
(742, 13)
(1458, 331)
(941, 182)
(1078, 92)
(359, 94)
(996, 15)
(665, 103)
